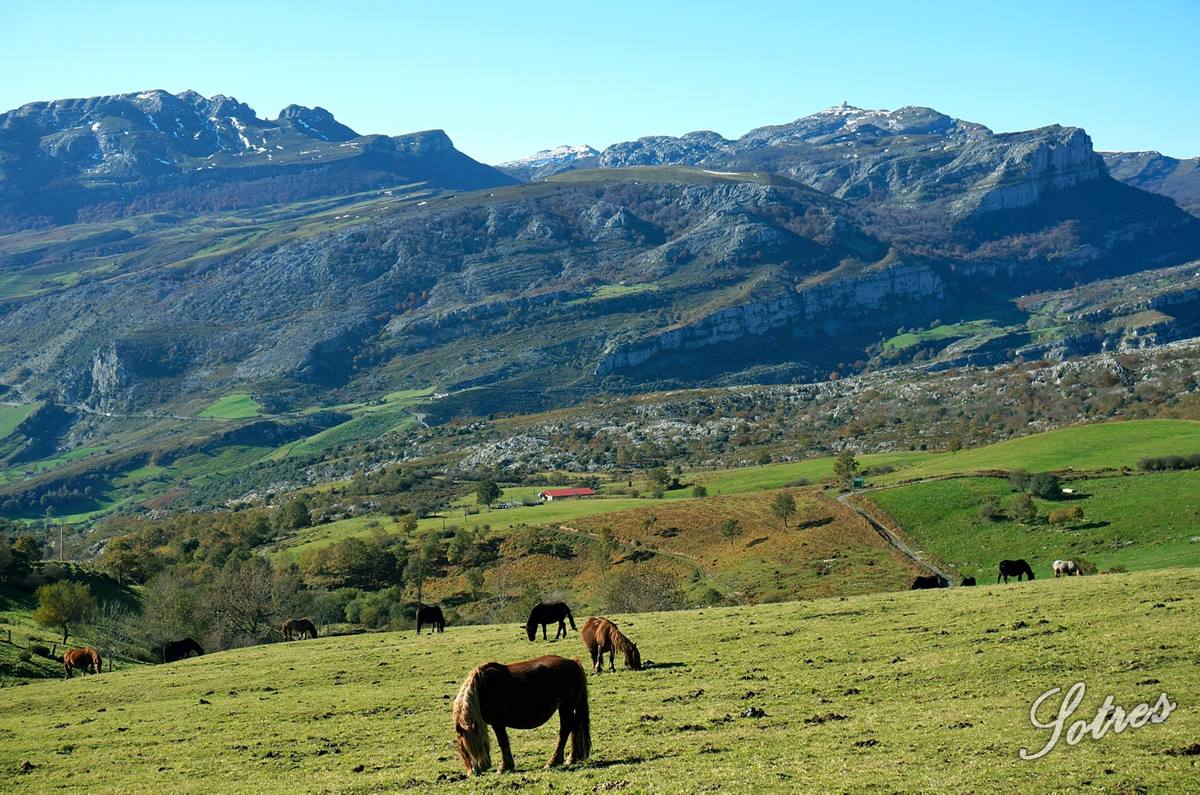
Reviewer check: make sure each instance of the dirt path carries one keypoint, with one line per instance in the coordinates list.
(890, 536)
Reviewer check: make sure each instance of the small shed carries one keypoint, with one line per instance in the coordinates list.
(859, 481)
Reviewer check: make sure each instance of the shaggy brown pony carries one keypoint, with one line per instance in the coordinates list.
(85, 659)
(601, 635)
(523, 695)
(300, 628)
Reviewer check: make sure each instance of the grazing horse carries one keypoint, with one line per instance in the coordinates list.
(432, 615)
(1066, 568)
(547, 613)
(180, 650)
(601, 635)
(1014, 568)
(85, 659)
(968, 581)
(300, 628)
(523, 695)
(932, 581)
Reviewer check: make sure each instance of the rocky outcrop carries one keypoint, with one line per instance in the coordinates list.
(812, 313)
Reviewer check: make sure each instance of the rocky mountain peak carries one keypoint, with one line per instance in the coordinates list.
(316, 122)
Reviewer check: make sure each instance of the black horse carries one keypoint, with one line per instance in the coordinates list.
(1014, 568)
(431, 615)
(180, 650)
(968, 581)
(932, 581)
(547, 613)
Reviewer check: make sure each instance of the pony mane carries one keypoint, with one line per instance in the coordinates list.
(623, 645)
(469, 726)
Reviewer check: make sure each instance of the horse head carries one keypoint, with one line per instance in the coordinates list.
(531, 630)
(635, 657)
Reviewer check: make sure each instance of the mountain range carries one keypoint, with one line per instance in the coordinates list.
(167, 250)
(106, 157)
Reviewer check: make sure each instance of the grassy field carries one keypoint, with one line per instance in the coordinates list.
(1108, 445)
(906, 692)
(776, 476)
(904, 341)
(1139, 521)
(233, 407)
(497, 520)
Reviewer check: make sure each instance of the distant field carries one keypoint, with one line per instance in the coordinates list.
(12, 416)
(905, 692)
(1141, 521)
(233, 407)
(775, 476)
(552, 512)
(907, 340)
(1109, 445)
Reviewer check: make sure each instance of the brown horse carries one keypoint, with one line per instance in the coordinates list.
(85, 659)
(601, 635)
(299, 628)
(523, 695)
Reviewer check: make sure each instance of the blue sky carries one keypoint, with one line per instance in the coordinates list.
(507, 78)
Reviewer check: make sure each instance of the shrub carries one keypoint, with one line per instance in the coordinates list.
(1023, 509)
(25, 655)
(990, 510)
(1072, 515)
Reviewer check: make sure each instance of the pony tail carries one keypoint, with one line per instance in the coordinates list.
(469, 726)
(581, 735)
(570, 617)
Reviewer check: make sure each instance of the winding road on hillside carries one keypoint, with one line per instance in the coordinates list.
(891, 537)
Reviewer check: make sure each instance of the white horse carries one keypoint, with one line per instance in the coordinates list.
(1066, 568)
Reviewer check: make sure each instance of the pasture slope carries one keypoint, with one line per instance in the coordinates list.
(917, 691)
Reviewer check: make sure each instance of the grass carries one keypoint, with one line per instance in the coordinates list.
(606, 291)
(907, 340)
(903, 692)
(239, 406)
(12, 416)
(498, 520)
(1108, 445)
(1141, 522)
(775, 476)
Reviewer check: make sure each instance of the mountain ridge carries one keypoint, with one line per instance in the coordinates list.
(103, 157)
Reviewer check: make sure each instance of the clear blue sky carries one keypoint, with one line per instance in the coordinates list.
(507, 78)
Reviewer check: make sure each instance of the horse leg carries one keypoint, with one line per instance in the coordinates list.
(544, 632)
(566, 722)
(562, 629)
(596, 656)
(506, 760)
(612, 652)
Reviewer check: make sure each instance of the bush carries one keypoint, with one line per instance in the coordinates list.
(640, 590)
(1170, 462)
(40, 651)
(1045, 485)
(1072, 515)
(1086, 566)
(990, 510)
(1023, 509)
(25, 655)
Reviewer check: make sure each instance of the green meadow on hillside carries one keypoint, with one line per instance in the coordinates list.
(1141, 521)
(233, 407)
(1107, 445)
(915, 691)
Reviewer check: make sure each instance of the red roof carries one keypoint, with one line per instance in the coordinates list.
(556, 493)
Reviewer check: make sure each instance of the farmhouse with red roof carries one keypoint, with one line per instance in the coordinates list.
(549, 495)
